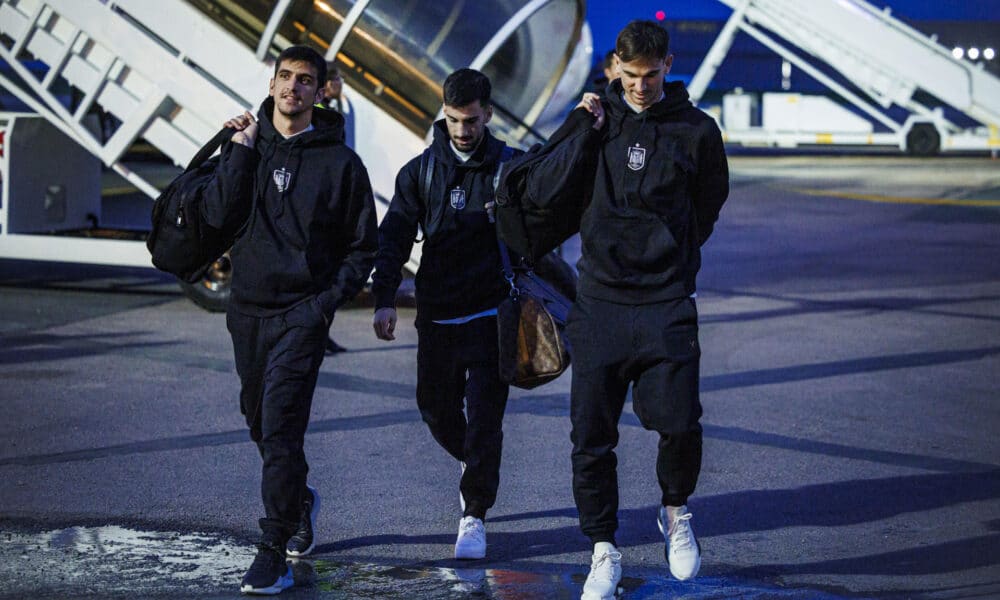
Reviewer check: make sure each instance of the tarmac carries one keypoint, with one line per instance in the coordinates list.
(850, 329)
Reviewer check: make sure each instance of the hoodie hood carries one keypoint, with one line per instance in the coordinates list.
(328, 127)
(675, 99)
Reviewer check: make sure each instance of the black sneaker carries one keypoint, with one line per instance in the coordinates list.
(269, 573)
(303, 542)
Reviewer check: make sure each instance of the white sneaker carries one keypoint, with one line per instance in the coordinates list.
(471, 542)
(605, 573)
(682, 551)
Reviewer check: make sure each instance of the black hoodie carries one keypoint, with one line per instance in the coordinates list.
(661, 180)
(312, 235)
(460, 272)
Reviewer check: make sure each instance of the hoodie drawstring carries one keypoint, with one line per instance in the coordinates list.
(279, 207)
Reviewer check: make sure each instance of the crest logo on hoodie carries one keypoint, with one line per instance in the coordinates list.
(458, 198)
(636, 157)
(281, 179)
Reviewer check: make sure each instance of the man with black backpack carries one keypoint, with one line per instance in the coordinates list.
(307, 249)
(447, 194)
(660, 181)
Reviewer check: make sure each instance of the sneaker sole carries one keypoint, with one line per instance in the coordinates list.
(616, 594)
(666, 554)
(469, 556)
(312, 517)
(283, 583)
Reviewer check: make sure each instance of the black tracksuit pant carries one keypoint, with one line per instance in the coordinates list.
(278, 360)
(456, 361)
(654, 348)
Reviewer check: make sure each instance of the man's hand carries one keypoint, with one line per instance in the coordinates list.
(246, 129)
(385, 323)
(592, 102)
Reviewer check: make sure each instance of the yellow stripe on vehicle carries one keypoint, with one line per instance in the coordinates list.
(899, 199)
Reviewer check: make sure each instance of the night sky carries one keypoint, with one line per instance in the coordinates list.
(607, 17)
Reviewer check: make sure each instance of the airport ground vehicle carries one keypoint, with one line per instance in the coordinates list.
(895, 86)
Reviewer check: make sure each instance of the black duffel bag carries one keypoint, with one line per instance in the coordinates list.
(181, 241)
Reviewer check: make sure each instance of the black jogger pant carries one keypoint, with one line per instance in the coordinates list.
(654, 348)
(456, 361)
(278, 360)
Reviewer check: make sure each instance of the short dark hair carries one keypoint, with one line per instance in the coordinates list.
(332, 72)
(303, 54)
(465, 86)
(642, 39)
(609, 60)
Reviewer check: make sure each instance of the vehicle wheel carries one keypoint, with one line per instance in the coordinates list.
(212, 291)
(923, 140)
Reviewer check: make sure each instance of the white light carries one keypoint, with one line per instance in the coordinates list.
(989, 54)
(957, 52)
(973, 53)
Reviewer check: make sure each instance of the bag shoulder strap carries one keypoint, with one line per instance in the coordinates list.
(508, 271)
(209, 149)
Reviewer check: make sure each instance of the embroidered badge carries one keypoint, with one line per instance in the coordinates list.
(636, 157)
(282, 178)
(458, 198)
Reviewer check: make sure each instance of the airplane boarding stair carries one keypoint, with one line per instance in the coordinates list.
(170, 72)
(881, 62)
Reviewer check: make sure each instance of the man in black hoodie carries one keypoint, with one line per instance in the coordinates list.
(308, 247)
(660, 182)
(444, 192)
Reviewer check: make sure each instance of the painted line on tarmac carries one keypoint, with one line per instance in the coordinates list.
(897, 199)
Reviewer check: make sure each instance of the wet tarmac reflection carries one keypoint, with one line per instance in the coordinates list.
(117, 562)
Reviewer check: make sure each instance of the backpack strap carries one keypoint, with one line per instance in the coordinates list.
(427, 161)
(424, 177)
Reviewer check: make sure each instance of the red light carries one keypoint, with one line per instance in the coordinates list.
(660, 15)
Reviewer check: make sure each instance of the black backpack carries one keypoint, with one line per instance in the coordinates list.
(543, 193)
(181, 242)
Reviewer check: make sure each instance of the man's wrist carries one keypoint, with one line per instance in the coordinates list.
(243, 139)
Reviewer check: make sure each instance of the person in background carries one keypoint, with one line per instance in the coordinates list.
(608, 72)
(334, 99)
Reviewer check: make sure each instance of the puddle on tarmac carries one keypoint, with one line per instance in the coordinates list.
(115, 562)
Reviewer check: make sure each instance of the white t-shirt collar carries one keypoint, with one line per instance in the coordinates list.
(309, 128)
(635, 108)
